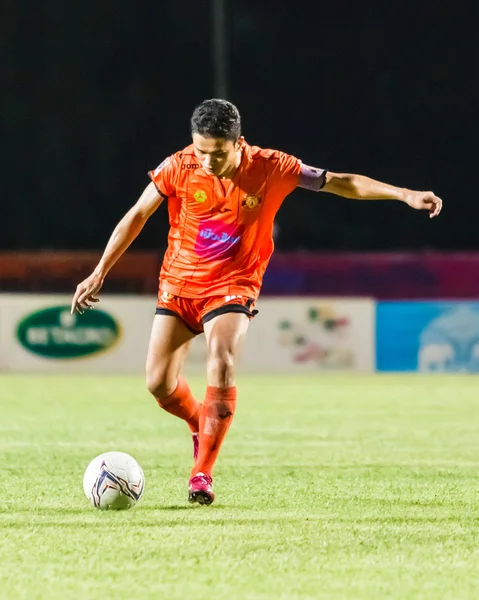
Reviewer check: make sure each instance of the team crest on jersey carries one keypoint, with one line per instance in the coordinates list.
(200, 196)
(251, 201)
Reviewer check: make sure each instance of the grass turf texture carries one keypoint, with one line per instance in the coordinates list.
(328, 486)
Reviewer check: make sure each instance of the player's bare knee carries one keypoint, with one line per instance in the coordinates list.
(160, 384)
(221, 366)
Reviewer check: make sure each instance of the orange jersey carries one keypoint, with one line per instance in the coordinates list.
(221, 231)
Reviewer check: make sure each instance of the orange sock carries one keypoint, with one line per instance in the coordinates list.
(182, 404)
(215, 419)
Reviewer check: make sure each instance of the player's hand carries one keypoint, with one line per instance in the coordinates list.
(425, 201)
(85, 295)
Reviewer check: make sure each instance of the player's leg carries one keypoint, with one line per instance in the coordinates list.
(224, 336)
(169, 343)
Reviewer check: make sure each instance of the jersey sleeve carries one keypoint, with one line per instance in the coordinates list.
(164, 176)
(287, 172)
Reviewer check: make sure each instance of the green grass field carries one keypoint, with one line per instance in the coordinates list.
(329, 486)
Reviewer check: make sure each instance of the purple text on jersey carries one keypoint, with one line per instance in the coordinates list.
(217, 240)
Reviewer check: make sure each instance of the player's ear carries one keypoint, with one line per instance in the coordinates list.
(239, 142)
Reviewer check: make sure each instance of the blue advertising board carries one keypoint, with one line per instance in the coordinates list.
(427, 337)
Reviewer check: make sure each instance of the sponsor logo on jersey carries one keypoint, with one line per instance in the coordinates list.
(223, 237)
(217, 240)
(200, 196)
(251, 201)
(54, 333)
(190, 166)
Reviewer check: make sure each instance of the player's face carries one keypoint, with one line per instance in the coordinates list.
(217, 156)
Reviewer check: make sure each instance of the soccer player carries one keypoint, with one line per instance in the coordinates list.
(222, 195)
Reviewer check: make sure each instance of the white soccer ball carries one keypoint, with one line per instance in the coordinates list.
(113, 480)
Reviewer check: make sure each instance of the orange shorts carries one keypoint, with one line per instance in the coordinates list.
(194, 312)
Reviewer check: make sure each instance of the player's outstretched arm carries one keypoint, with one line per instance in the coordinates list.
(360, 187)
(123, 235)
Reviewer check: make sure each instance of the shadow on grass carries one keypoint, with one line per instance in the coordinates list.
(89, 510)
(145, 519)
(61, 511)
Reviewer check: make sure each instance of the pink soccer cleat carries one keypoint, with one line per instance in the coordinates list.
(196, 444)
(200, 489)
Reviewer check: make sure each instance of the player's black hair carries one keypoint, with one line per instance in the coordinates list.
(216, 118)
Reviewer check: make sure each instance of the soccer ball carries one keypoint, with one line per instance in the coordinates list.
(113, 480)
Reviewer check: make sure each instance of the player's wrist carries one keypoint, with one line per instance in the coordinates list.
(404, 195)
(100, 272)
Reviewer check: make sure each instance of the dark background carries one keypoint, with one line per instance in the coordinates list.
(94, 95)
